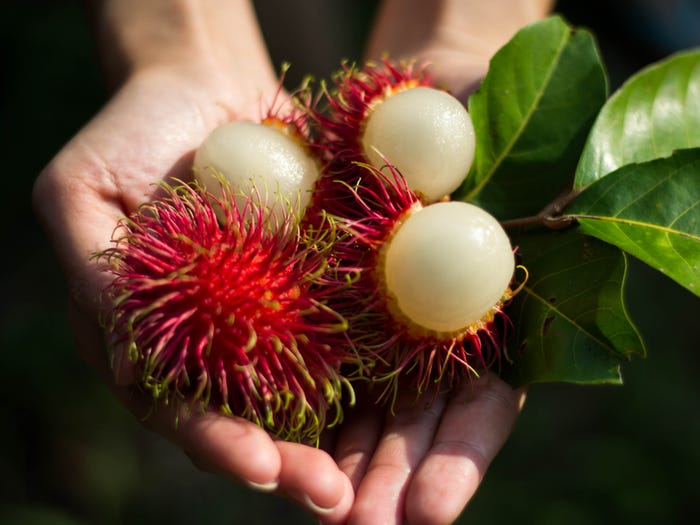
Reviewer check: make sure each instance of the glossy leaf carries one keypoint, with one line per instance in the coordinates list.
(531, 116)
(570, 320)
(651, 210)
(654, 113)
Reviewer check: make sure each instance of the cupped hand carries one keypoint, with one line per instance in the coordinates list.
(147, 133)
(422, 464)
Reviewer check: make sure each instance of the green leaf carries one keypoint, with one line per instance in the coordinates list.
(651, 210)
(570, 319)
(531, 117)
(654, 113)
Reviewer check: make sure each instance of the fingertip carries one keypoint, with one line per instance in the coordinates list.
(270, 486)
(341, 511)
(311, 477)
(230, 447)
(493, 394)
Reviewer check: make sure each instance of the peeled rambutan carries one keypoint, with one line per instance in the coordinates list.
(271, 156)
(265, 156)
(429, 284)
(394, 113)
(219, 311)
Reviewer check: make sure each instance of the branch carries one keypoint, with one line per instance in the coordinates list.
(550, 216)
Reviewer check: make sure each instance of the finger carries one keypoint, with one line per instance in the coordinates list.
(231, 447)
(311, 477)
(62, 202)
(234, 448)
(406, 438)
(476, 423)
(357, 439)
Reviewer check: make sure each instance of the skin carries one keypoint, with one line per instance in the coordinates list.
(172, 83)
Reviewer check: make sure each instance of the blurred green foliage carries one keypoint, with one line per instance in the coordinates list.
(70, 455)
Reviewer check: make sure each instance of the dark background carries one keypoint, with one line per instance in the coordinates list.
(69, 454)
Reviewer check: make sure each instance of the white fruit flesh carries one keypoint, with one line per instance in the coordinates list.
(447, 266)
(427, 134)
(251, 155)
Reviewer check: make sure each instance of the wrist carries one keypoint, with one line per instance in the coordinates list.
(457, 37)
(216, 37)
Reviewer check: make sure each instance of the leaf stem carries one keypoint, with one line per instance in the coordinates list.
(550, 216)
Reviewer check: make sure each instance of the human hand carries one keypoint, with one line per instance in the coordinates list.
(456, 38)
(423, 464)
(147, 133)
(167, 103)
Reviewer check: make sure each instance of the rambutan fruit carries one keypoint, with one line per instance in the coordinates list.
(219, 311)
(264, 156)
(271, 156)
(445, 267)
(394, 113)
(429, 285)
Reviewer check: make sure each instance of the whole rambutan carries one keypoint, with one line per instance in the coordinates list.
(429, 284)
(220, 311)
(393, 113)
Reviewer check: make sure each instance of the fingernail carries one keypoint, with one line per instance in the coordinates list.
(321, 511)
(263, 487)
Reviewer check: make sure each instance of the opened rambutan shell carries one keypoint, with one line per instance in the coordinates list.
(220, 311)
(338, 120)
(349, 101)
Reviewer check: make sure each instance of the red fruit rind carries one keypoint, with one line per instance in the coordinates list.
(289, 112)
(218, 309)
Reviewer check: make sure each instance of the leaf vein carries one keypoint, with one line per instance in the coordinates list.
(617, 221)
(524, 123)
(566, 318)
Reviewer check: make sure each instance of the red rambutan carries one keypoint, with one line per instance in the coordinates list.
(219, 310)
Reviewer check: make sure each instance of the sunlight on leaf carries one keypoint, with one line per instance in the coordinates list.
(654, 113)
(651, 210)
